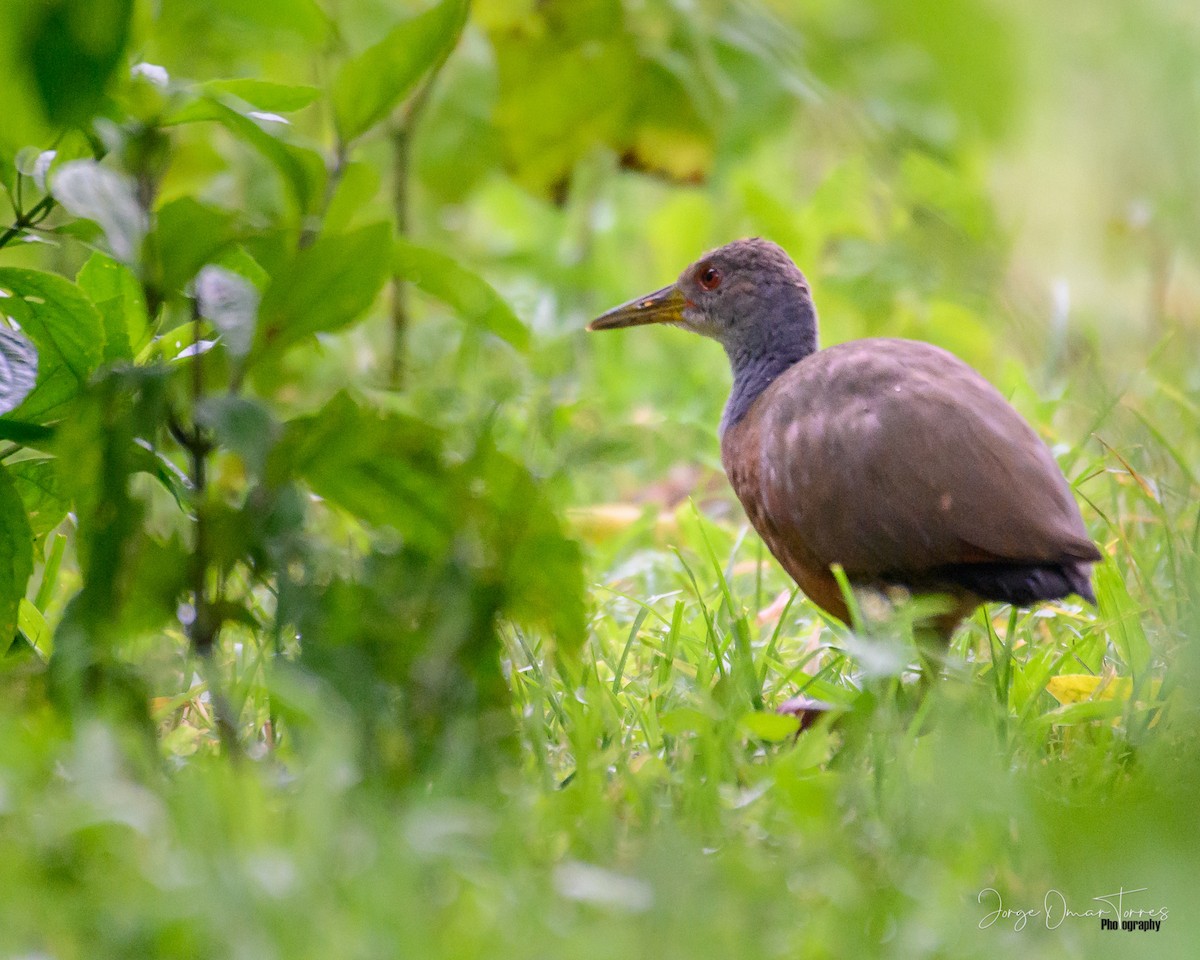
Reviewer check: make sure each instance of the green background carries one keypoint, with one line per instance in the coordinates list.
(361, 604)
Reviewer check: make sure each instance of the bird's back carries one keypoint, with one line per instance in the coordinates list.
(900, 462)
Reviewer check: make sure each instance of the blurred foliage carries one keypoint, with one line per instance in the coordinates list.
(164, 360)
(300, 501)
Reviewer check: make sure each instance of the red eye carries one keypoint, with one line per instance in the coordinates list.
(709, 278)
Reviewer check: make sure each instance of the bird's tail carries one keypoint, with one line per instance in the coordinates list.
(1024, 584)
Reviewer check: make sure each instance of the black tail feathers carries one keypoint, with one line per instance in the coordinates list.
(1023, 584)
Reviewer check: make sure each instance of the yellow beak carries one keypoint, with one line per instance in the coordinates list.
(662, 306)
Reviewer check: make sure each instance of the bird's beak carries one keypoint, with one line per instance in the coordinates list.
(662, 306)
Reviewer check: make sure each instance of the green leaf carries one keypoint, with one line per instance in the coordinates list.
(16, 556)
(1072, 714)
(386, 470)
(24, 118)
(369, 86)
(326, 286)
(187, 235)
(33, 627)
(472, 297)
(391, 471)
(557, 101)
(359, 184)
(242, 426)
(8, 173)
(118, 296)
(158, 579)
(772, 727)
(275, 18)
(68, 332)
(667, 134)
(154, 463)
(1124, 618)
(239, 261)
(265, 95)
(303, 170)
(41, 490)
(97, 449)
(26, 433)
(73, 51)
(685, 720)
(540, 568)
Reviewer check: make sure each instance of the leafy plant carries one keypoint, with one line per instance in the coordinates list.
(158, 362)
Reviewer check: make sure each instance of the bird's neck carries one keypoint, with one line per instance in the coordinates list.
(756, 365)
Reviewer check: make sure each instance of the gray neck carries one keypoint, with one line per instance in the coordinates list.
(757, 362)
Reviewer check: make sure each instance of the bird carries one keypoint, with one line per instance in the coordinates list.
(890, 458)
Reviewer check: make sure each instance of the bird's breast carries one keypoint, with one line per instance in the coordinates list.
(749, 473)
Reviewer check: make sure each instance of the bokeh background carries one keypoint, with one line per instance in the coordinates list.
(503, 655)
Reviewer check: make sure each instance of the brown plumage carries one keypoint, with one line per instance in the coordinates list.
(898, 461)
(890, 457)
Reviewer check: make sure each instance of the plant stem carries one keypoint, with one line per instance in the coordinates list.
(334, 178)
(35, 215)
(401, 154)
(206, 624)
(402, 142)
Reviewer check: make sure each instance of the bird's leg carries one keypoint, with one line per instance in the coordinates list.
(927, 619)
(869, 611)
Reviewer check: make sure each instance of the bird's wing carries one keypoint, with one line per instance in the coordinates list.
(895, 456)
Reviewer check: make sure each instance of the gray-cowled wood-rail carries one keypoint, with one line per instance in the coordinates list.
(890, 457)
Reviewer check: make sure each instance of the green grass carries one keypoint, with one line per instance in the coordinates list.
(657, 806)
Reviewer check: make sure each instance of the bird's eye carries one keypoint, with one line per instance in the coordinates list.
(709, 278)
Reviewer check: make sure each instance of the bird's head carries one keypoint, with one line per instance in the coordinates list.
(748, 295)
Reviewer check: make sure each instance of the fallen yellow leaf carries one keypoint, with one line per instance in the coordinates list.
(1079, 687)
